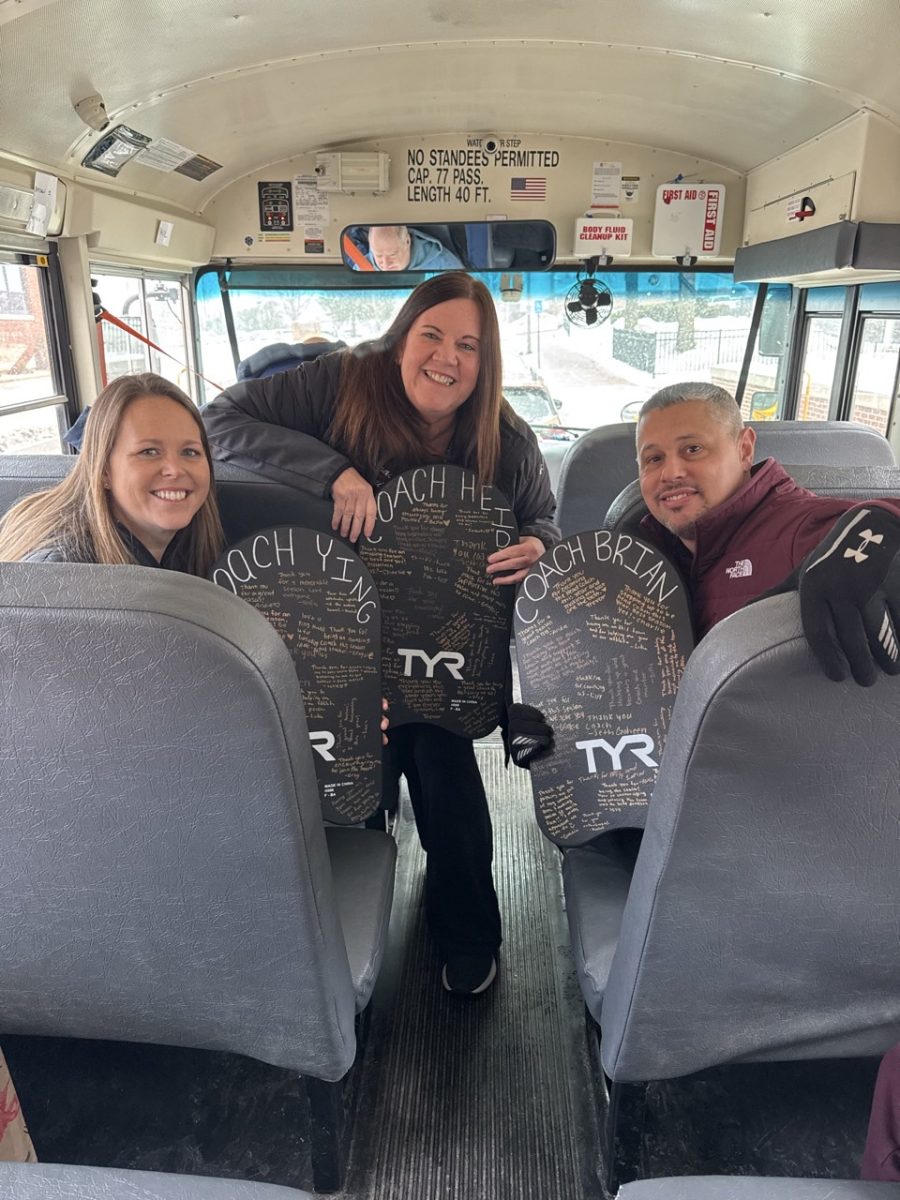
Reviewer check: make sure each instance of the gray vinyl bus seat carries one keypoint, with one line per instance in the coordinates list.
(860, 483)
(167, 877)
(247, 501)
(601, 463)
(554, 456)
(46, 1181)
(760, 921)
(748, 1187)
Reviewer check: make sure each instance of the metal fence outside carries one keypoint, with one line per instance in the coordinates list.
(657, 353)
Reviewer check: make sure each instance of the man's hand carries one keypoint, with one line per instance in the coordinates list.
(529, 735)
(850, 596)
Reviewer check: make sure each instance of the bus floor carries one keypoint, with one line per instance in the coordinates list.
(496, 1097)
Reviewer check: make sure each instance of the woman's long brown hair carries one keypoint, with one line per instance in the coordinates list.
(375, 424)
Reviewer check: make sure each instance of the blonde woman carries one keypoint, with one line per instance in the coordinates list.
(139, 493)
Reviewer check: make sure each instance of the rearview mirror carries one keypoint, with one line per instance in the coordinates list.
(469, 245)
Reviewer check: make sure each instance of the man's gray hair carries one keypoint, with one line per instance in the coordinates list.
(724, 404)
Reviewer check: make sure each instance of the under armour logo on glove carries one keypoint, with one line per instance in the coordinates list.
(850, 596)
(865, 537)
(529, 734)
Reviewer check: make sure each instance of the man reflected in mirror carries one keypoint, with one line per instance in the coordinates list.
(400, 248)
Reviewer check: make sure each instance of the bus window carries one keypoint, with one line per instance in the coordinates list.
(661, 327)
(32, 414)
(875, 378)
(820, 352)
(154, 307)
(763, 398)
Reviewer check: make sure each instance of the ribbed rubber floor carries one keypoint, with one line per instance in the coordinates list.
(489, 1097)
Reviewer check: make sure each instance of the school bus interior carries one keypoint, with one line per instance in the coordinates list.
(651, 192)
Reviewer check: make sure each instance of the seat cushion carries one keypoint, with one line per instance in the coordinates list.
(362, 867)
(746, 1187)
(43, 1181)
(596, 878)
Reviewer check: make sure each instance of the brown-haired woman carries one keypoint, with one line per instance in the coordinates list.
(139, 493)
(428, 391)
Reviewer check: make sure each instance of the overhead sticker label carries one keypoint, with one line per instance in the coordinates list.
(467, 174)
(164, 155)
(603, 236)
(312, 213)
(530, 187)
(275, 206)
(630, 187)
(198, 167)
(605, 184)
(688, 219)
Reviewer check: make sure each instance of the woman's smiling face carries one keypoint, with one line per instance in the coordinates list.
(157, 474)
(441, 358)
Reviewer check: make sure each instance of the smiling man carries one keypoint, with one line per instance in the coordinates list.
(739, 530)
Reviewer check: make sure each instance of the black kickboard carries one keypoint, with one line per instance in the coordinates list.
(603, 630)
(319, 596)
(445, 626)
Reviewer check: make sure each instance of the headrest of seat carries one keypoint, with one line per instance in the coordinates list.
(856, 483)
(247, 501)
(281, 356)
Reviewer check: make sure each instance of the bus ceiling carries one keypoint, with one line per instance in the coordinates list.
(195, 132)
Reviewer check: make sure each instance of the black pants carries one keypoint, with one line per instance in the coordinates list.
(454, 827)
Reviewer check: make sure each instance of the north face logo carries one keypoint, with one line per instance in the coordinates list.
(865, 537)
(741, 569)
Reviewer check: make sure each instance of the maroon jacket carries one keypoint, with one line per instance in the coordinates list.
(751, 542)
(881, 1159)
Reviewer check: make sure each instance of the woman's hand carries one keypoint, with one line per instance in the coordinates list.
(518, 559)
(384, 721)
(354, 505)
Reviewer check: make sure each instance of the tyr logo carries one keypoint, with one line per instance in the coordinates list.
(640, 745)
(322, 742)
(452, 659)
(865, 538)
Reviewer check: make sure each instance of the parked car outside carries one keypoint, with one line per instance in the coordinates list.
(535, 405)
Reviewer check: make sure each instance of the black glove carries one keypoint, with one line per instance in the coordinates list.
(850, 596)
(529, 735)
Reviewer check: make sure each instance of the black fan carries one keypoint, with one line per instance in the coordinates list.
(588, 302)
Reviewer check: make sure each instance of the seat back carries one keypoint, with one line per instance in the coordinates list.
(854, 483)
(748, 1187)
(40, 1181)
(761, 922)
(283, 356)
(601, 463)
(164, 875)
(246, 500)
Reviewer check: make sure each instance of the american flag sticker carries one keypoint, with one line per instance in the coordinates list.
(530, 188)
